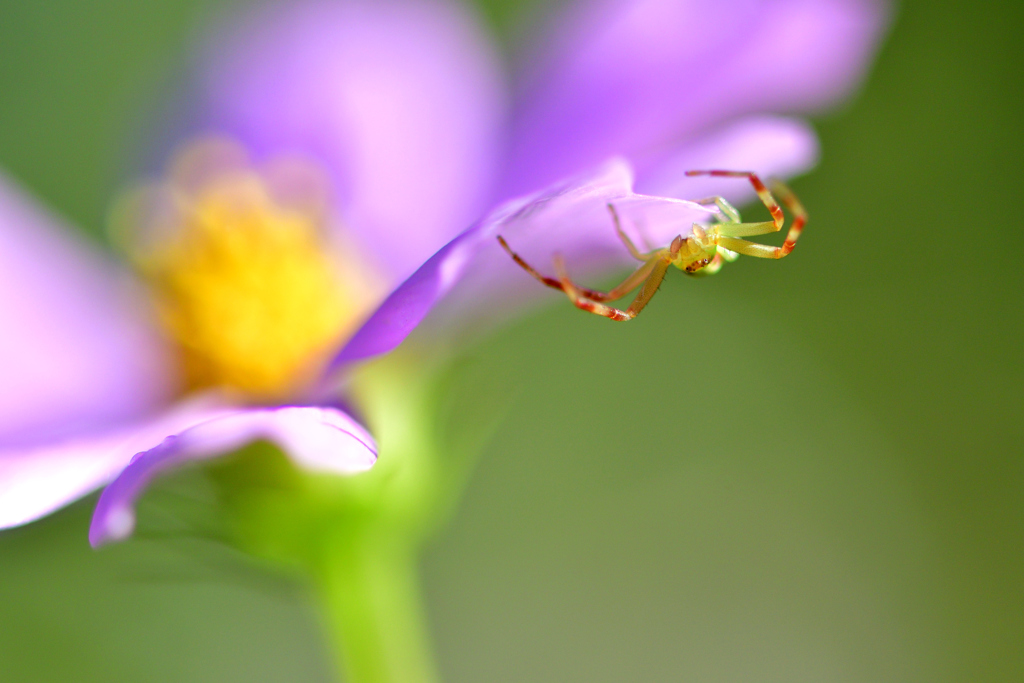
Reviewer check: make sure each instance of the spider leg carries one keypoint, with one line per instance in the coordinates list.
(554, 283)
(727, 212)
(629, 243)
(655, 267)
(731, 231)
(634, 252)
(632, 281)
(729, 224)
(762, 192)
(622, 289)
(794, 205)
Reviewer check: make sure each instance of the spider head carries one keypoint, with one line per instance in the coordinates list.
(691, 254)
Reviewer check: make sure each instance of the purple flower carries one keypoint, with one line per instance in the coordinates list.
(268, 284)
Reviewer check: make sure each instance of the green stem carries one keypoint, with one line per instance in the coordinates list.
(368, 557)
(372, 596)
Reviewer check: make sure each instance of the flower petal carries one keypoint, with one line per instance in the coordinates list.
(402, 101)
(472, 278)
(571, 217)
(35, 481)
(316, 438)
(630, 76)
(76, 353)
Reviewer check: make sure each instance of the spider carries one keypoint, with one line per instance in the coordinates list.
(702, 253)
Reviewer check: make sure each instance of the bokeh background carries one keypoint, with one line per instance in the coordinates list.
(805, 470)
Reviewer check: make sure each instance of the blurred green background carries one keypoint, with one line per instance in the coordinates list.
(816, 467)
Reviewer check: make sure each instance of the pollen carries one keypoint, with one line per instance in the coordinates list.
(250, 286)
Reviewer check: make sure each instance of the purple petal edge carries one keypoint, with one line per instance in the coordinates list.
(39, 479)
(316, 438)
(410, 303)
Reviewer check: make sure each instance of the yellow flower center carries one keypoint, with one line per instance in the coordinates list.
(250, 286)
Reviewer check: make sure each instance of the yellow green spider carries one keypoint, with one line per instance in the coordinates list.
(701, 253)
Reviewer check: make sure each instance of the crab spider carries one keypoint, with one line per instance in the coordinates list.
(701, 253)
